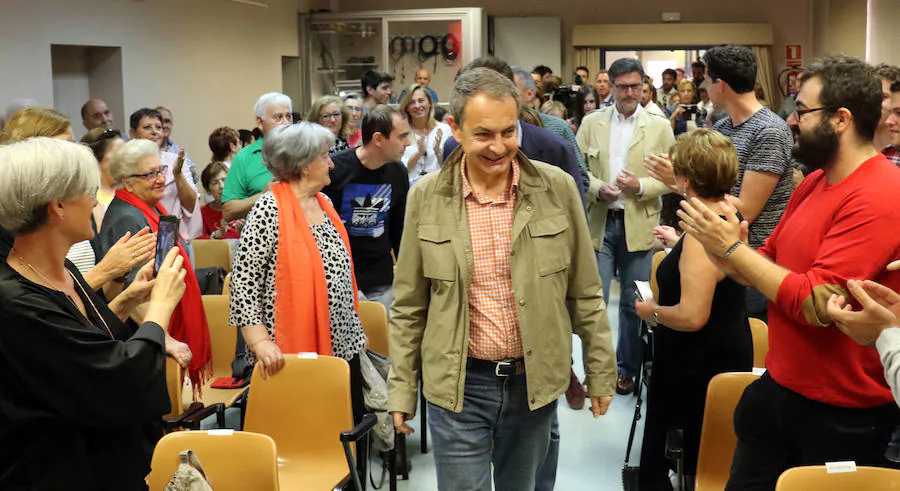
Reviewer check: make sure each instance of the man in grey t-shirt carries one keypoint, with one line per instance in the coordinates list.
(763, 141)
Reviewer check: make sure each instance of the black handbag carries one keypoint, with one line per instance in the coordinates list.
(211, 280)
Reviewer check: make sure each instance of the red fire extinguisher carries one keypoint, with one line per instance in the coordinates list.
(789, 81)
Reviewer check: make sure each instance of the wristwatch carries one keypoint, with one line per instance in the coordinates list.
(656, 314)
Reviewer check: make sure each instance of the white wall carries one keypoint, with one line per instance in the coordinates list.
(71, 83)
(883, 35)
(530, 41)
(206, 60)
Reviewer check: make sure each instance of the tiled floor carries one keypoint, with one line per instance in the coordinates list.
(591, 451)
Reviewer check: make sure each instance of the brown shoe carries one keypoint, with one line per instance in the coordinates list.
(575, 394)
(624, 384)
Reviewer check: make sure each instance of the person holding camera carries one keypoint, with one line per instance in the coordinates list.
(686, 116)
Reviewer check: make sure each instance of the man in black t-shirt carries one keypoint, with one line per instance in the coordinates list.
(368, 188)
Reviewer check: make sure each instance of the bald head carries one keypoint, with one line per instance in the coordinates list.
(423, 77)
(96, 114)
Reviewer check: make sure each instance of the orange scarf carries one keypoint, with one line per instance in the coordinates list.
(188, 323)
(302, 322)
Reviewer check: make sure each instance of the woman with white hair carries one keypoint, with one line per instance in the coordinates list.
(139, 179)
(293, 288)
(84, 395)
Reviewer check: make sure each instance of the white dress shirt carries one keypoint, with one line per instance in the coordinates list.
(621, 129)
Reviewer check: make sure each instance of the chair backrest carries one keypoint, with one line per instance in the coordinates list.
(174, 385)
(222, 337)
(817, 478)
(209, 253)
(654, 286)
(232, 460)
(304, 407)
(375, 324)
(718, 441)
(226, 287)
(760, 332)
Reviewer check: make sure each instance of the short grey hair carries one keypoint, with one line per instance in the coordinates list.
(287, 150)
(39, 170)
(480, 81)
(270, 99)
(124, 162)
(525, 76)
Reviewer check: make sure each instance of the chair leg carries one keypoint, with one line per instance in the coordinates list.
(392, 461)
(351, 461)
(403, 457)
(424, 413)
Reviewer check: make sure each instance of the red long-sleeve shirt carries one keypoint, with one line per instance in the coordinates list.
(831, 233)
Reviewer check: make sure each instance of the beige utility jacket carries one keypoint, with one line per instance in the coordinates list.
(554, 276)
(652, 134)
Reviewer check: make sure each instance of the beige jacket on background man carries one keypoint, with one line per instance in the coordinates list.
(652, 134)
(554, 276)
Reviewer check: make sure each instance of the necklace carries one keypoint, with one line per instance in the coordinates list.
(68, 297)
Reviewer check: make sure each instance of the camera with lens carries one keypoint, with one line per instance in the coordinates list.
(567, 95)
(690, 109)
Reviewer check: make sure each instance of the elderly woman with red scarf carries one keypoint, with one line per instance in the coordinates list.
(293, 287)
(139, 178)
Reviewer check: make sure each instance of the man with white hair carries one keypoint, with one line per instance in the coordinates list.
(248, 178)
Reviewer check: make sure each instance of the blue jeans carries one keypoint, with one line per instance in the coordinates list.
(546, 475)
(381, 294)
(495, 427)
(631, 266)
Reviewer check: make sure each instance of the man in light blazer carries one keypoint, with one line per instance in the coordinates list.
(623, 200)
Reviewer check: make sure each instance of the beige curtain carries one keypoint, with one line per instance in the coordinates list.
(765, 76)
(589, 57)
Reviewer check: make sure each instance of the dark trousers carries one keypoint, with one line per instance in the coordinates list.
(356, 390)
(778, 429)
(358, 405)
(757, 305)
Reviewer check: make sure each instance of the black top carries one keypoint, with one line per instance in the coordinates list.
(6, 242)
(723, 344)
(121, 217)
(78, 409)
(371, 203)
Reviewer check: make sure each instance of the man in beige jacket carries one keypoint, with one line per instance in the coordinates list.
(623, 200)
(495, 271)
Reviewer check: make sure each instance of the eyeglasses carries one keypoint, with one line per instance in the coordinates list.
(629, 87)
(152, 175)
(354, 109)
(333, 116)
(800, 112)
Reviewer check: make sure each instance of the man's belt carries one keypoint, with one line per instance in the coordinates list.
(501, 368)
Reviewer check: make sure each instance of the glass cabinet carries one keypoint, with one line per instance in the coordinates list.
(340, 48)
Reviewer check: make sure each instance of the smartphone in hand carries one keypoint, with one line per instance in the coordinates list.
(166, 239)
